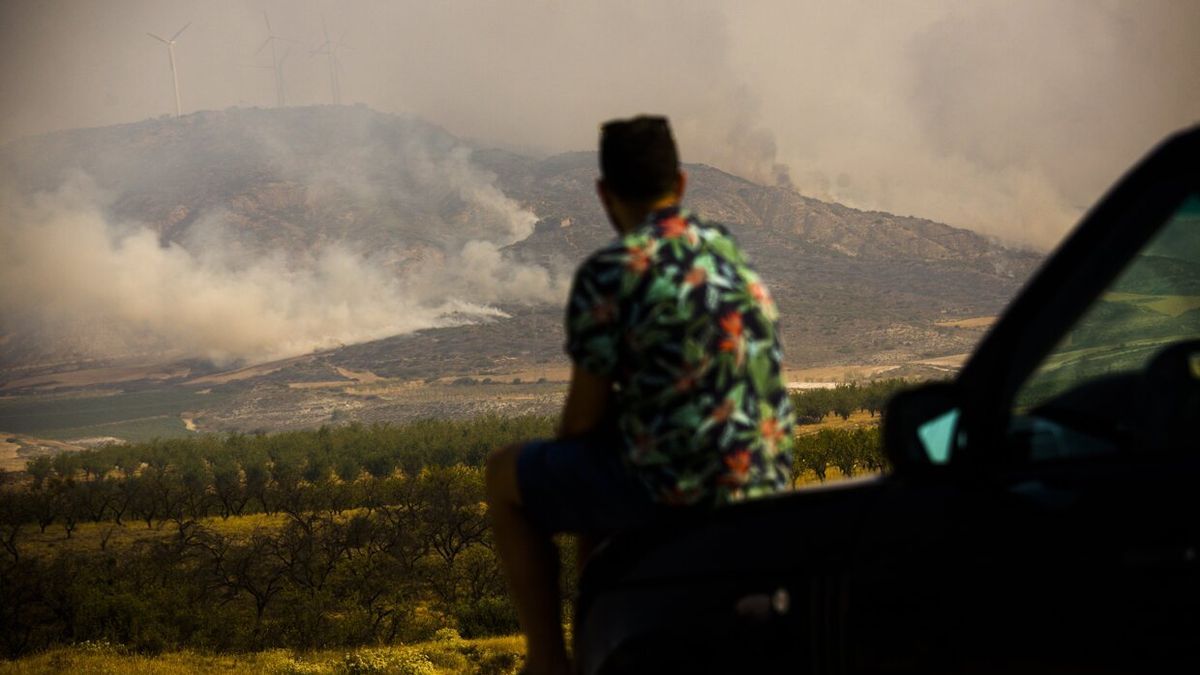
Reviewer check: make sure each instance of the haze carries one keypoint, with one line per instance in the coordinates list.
(1005, 117)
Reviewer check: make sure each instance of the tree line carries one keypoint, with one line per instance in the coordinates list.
(814, 405)
(238, 474)
(413, 555)
(365, 534)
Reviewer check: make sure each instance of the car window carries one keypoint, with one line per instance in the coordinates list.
(1153, 303)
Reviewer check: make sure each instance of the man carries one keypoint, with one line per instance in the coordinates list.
(676, 396)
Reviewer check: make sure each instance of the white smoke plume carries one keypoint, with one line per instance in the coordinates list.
(70, 274)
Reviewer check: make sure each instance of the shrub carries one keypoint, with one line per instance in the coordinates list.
(280, 662)
(485, 617)
(447, 635)
(399, 661)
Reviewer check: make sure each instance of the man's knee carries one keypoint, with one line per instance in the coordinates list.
(500, 475)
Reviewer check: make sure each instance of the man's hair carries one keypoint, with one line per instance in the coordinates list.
(638, 159)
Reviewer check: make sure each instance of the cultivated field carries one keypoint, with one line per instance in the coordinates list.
(302, 551)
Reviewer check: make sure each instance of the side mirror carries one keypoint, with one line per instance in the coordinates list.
(920, 427)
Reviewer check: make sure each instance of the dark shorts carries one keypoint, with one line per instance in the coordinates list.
(581, 486)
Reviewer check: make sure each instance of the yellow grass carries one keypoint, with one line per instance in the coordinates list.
(361, 376)
(846, 373)
(808, 478)
(450, 655)
(1171, 305)
(857, 419)
(320, 384)
(10, 445)
(90, 536)
(256, 370)
(974, 323)
(949, 361)
(9, 459)
(527, 374)
(92, 376)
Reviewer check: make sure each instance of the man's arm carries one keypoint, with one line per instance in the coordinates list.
(587, 403)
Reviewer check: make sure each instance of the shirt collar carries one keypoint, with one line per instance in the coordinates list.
(656, 217)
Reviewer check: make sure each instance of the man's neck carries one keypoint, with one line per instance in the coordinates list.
(636, 217)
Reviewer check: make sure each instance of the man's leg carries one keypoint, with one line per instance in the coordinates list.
(530, 562)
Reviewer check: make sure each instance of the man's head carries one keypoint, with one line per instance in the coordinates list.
(639, 169)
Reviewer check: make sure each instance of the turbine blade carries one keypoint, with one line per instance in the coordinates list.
(180, 31)
(268, 20)
(165, 42)
(264, 45)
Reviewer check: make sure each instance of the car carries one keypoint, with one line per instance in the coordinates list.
(1041, 514)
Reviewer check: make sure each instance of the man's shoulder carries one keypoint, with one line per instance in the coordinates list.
(681, 225)
(617, 253)
(611, 256)
(660, 240)
(713, 227)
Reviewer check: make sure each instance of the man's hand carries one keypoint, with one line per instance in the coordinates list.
(587, 403)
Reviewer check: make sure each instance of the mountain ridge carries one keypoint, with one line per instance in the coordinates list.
(850, 283)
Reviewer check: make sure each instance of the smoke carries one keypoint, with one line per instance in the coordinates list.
(73, 277)
(1058, 99)
(1007, 117)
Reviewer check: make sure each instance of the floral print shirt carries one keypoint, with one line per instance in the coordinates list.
(674, 315)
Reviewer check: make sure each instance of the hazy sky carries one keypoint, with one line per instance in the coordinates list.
(1006, 117)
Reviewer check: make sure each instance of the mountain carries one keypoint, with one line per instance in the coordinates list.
(847, 281)
(477, 243)
(288, 178)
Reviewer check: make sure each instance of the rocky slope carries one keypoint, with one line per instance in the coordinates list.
(853, 285)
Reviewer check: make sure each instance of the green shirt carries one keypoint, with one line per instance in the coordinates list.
(674, 315)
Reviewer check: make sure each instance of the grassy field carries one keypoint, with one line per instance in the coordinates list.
(133, 416)
(450, 654)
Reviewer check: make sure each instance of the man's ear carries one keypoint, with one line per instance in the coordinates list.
(681, 182)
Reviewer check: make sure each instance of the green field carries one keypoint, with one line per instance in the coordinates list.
(133, 416)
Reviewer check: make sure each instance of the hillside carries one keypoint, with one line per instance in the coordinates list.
(466, 253)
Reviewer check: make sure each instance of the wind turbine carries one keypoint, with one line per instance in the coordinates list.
(171, 54)
(330, 49)
(276, 62)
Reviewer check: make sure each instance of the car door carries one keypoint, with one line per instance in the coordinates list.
(1052, 522)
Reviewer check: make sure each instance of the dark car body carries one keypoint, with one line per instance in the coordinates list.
(1042, 514)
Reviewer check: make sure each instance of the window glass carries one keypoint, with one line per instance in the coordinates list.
(1154, 302)
(937, 436)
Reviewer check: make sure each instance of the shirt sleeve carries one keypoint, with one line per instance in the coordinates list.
(593, 316)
